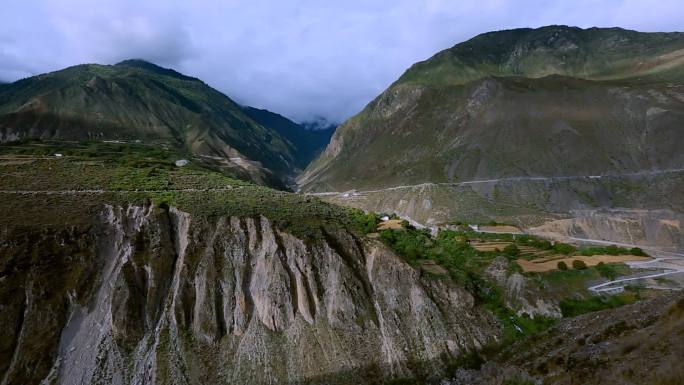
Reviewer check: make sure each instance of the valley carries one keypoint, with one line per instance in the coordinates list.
(137, 260)
(508, 211)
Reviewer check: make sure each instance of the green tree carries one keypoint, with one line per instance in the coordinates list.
(579, 264)
(366, 223)
(512, 251)
(564, 248)
(612, 250)
(606, 271)
(637, 251)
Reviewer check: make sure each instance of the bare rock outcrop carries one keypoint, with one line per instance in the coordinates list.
(151, 295)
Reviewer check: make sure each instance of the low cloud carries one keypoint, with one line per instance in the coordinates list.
(301, 58)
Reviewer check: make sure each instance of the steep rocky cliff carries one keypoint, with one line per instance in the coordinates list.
(152, 295)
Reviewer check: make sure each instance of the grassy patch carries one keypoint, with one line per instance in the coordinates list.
(575, 307)
(464, 264)
(141, 175)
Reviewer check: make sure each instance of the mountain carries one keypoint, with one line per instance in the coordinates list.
(594, 53)
(139, 101)
(514, 103)
(319, 123)
(121, 265)
(117, 266)
(309, 140)
(520, 125)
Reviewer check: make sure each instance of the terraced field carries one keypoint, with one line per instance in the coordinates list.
(543, 265)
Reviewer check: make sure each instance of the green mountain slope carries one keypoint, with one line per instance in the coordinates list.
(594, 53)
(139, 101)
(308, 143)
(555, 101)
(562, 131)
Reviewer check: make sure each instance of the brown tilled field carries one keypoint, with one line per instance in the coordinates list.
(392, 224)
(489, 246)
(549, 264)
(504, 229)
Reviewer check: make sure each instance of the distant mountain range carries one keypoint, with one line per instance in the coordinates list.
(309, 139)
(139, 101)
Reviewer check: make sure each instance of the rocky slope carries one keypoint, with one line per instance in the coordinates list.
(146, 294)
(309, 139)
(655, 229)
(504, 127)
(636, 344)
(138, 101)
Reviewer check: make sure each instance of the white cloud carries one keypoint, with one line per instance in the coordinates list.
(301, 58)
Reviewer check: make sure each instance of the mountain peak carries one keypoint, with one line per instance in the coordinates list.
(593, 53)
(148, 66)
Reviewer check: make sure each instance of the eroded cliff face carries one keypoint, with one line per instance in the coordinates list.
(150, 295)
(522, 294)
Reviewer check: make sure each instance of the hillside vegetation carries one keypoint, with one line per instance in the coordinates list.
(135, 101)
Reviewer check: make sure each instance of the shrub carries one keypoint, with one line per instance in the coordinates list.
(606, 271)
(578, 264)
(564, 248)
(512, 251)
(562, 265)
(469, 360)
(366, 223)
(527, 240)
(637, 251)
(410, 244)
(573, 307)
(544, 245)
(612, 250)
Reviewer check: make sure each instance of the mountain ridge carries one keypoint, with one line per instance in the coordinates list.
(438, 97)
(308, 139)
(513, 52)
(416, 148)
(138, 101)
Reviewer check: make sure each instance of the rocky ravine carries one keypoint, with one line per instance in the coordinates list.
(151, 295)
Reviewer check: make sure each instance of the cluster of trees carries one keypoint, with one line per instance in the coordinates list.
(364, 222)
(577, 264)
(368, 222)
(612, 250)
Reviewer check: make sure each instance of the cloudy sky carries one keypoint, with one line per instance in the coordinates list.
(301, 58)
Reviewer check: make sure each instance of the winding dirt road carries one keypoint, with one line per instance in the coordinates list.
(505, 179)
(668, 261)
